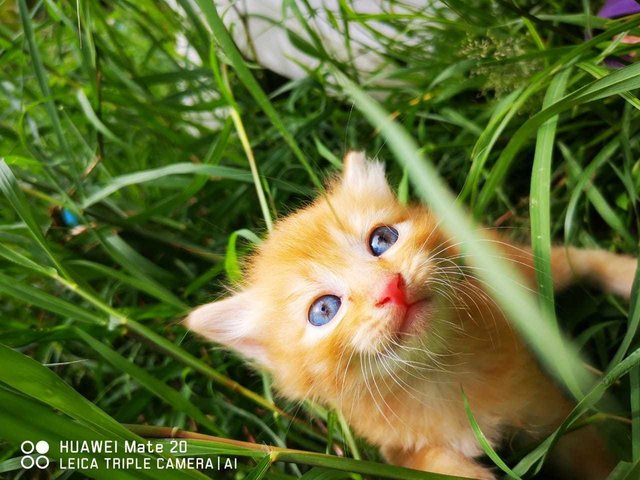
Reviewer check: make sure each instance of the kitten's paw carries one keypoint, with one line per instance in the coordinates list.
(630, 272)
(439, 460)
(477, 472)
(611, 272)
(618, 272)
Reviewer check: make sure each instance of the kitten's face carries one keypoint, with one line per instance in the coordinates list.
(333, 282)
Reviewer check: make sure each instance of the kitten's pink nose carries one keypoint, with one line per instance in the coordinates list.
(394, 292)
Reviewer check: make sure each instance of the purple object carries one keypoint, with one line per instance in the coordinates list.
(619, 8)
(616, 9)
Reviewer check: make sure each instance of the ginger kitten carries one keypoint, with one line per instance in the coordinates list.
(363, 306)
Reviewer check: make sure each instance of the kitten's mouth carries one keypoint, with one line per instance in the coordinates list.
(415, 317)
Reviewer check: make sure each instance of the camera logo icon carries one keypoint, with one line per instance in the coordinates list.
(30, 459)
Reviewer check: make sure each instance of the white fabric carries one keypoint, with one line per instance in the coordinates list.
(259, 28)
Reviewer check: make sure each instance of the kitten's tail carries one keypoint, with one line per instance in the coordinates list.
(611, 272)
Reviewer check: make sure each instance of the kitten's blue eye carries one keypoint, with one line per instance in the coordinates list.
(381, 239)
(324, 309)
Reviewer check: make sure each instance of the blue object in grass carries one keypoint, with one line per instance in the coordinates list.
(68, 218)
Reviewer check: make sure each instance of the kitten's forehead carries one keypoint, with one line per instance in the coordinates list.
(311, 236)
(327, 232)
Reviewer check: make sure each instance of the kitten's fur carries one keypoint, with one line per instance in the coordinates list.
(401, 392)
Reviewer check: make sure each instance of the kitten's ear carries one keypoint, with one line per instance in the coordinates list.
(360, 174)
(231, 322)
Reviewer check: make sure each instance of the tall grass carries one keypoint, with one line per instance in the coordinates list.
(134, 179)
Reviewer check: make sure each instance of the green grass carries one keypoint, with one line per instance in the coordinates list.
(507, 108)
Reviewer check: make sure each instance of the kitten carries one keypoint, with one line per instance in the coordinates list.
(358, 302)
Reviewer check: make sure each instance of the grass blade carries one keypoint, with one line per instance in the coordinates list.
(25, 419)
(161, 390)
(41, 76)
(484, 442)
(85, 105)
(34, 296)
(31, 378)
(615, 83)
(231, 265)
(224, 40)
(261, 469)
(540, 205)
(199, 444)
(223, 83)
(158, 173)
(9, 187)
(601, 205)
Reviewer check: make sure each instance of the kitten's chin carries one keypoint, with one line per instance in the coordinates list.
(415, 318)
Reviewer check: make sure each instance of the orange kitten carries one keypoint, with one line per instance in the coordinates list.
(362, 306)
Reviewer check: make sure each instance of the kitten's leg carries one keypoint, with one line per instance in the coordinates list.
(438, 460)
(582, 454)
(612, 273)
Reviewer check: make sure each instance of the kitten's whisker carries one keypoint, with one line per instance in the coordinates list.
(404, 385)
(373, 379)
